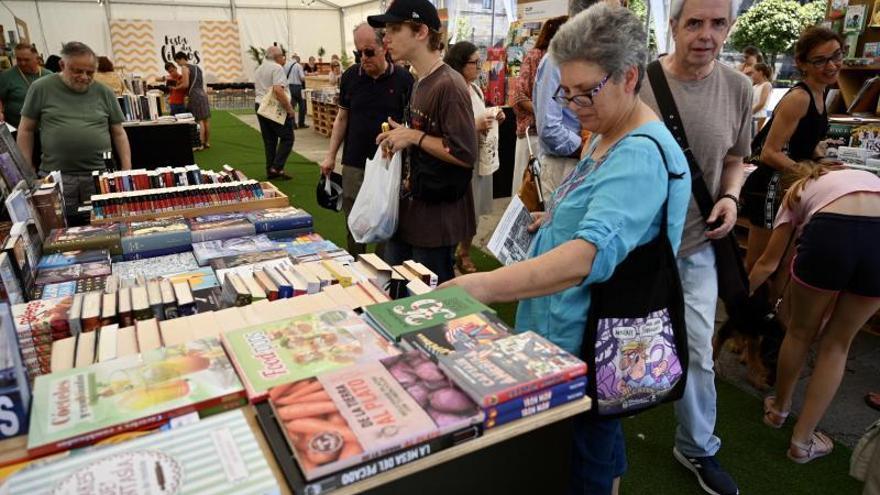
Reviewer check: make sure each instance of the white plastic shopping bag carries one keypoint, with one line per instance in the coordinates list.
(373, 217)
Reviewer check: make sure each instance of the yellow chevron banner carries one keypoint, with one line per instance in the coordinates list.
(143, 47)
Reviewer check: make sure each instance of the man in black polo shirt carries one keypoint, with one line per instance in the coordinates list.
(369, 93)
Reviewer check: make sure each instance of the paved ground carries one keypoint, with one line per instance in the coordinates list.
(848, 415)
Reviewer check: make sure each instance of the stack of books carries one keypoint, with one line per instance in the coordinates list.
(155, 238)
(516, 376)
(220, 226)
(353, 423)
(129, 271)
(411, 314)
(140, 107)
(37, 324)
(172, 461)
(80, 406)
(296, 348)
(84, 238)
(286, 222)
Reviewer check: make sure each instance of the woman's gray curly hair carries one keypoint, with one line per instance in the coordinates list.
(611, 37)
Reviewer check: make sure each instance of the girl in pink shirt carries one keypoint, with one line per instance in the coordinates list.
(835, 217)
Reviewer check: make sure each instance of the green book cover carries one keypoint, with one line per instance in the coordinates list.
(83, 405)
(292, 349)
(411, 314)
(219, 454)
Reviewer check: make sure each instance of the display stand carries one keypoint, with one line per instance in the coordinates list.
(277, 200)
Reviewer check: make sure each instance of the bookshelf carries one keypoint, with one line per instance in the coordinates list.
(851, 78)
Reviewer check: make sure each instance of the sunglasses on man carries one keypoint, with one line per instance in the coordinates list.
(369, 52)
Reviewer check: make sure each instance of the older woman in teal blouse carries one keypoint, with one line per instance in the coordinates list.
(610, 204)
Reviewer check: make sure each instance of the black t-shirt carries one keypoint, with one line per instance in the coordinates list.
(369, 103)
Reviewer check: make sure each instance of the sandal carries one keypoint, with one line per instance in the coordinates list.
(820, 445)
(772, 417)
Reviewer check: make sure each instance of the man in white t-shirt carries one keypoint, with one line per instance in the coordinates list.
(277, 138)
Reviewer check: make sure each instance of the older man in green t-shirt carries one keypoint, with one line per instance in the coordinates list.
(15, 82)
(77, 121)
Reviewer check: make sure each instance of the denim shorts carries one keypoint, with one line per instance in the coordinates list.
(839, 253)
(598, 455)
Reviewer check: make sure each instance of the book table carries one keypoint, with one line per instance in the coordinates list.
(530, 455)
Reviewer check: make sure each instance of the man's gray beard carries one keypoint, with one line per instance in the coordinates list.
(73, 86)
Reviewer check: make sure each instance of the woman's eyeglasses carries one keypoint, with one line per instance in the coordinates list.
(583, 99)
(820, 62)
(369, 52)
(473, 62)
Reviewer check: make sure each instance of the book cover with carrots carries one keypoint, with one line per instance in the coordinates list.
(348, 416)
(80, 406)
(292, 349)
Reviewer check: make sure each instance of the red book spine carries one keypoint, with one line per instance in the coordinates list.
(152, 422)
(537, 384)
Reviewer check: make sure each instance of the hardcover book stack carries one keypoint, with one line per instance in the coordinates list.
(38, 324)
(84, 238)
(208, 250)
(516, 376)
(71, 272)
(77, 407)
(165, 462)
(220, 226)
(342, 425)
(281, 223)
(155, 238)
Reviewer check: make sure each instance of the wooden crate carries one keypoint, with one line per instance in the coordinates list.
(278, 200)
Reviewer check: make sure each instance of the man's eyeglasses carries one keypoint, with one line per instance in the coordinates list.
(369, 52)
(820, 62)
(583, 99)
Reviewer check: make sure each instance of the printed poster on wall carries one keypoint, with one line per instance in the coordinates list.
(143, 47)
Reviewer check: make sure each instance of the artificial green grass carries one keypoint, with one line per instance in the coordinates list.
(752, 452)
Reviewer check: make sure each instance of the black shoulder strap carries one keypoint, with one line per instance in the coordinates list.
(290, 69)
(669, 173)
(669, 113)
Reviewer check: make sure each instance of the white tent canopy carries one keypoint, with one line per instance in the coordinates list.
(300, 25)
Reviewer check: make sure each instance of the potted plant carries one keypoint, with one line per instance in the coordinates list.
(321, 53)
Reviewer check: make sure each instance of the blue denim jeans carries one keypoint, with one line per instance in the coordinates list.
(598, 455)
(696, 410)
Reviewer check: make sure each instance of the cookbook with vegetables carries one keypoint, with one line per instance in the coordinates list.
(292, 349)
(345, 417)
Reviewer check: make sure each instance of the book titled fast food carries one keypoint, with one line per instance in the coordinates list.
(78, 407)
(291, 349)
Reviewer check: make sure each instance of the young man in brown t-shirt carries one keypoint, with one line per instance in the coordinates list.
(436, 204)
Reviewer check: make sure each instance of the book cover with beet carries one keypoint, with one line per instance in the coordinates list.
(348, 416)
(292, 349)
(79, 406)
(449, 407)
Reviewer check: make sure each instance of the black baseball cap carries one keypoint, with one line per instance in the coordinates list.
(420, 11)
